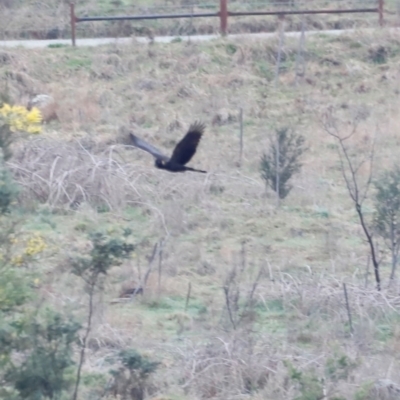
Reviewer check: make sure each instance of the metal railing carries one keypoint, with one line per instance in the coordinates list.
(223, 15)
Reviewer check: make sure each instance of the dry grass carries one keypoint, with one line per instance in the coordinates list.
(304, 322)
(306, 249)
(71, 174)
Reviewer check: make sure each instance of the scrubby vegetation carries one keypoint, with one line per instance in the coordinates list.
(238, 298)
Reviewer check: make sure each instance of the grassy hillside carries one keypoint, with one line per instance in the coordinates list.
(79, 176)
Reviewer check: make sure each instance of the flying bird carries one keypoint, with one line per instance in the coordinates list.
(182, 153)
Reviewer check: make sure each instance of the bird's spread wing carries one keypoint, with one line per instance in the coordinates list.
(141, 144)
(186, 148)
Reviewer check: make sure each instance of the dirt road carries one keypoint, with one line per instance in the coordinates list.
(168, 39)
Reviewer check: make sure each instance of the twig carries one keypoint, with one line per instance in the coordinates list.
(160, 255)
(277, 179)
(348, 308)
(151, 259)
(281, 40)
(271, 278)
(251, 293)
(255, 283)
(367, 271)
(241, 136)
(188, 296)
(243, 257)
(157, 246)
(228, 306)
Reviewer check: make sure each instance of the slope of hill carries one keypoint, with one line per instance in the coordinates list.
(79, 175)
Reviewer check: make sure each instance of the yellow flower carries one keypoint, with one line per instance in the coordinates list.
(35, 245)
(17, 124)
(21, 110)
(20, 119)
(5, 110)
(34, 116)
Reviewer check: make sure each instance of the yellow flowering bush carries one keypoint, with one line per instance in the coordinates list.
(19, 118)
(33, 246)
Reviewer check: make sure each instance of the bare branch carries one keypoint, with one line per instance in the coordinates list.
(228, 306)
(350, 173)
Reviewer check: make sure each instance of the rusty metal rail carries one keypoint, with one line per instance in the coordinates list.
(288, 12)
(222, 14)
(150, 16)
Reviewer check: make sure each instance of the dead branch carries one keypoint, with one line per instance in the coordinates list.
(350, 173)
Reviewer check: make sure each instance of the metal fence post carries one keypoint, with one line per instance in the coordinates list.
(223, 15)
(380, 11)
(73, 22)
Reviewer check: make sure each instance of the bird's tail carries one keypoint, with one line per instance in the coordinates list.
(195, 170)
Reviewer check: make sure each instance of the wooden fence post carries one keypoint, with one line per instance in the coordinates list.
(380, 11)
(223, 15)
(73, 22)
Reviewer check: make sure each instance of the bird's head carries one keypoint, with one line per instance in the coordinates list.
(160, 163)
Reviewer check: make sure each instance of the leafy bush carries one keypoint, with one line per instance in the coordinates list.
(130, 379)
(8, 189)
(378, 55)
(311, 385)
(44, 371)
(133, 361)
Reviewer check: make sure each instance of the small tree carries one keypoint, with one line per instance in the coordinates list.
(282, 161)
(106, 252)
(387, 206)
(350, 167)
(130, 379)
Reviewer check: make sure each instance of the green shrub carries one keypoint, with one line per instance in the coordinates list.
(48, 346)
(8, 189)
(130, 379)
(282, 161)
